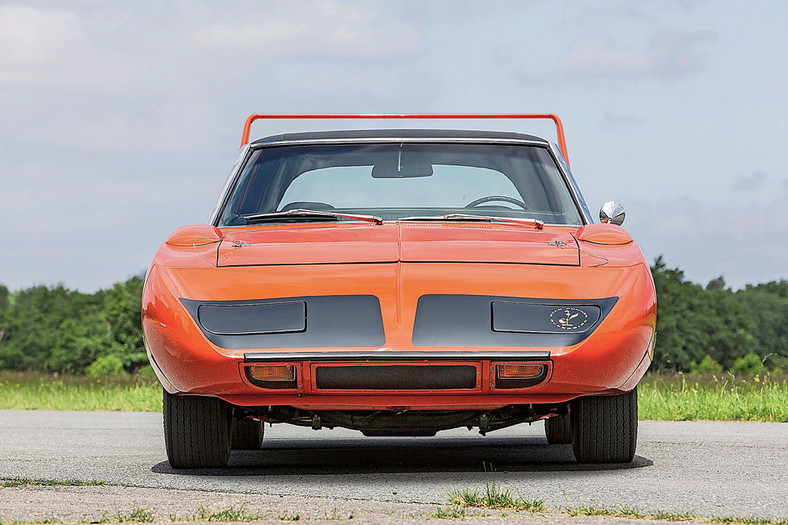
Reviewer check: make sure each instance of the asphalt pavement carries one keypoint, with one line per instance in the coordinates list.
(705, 468)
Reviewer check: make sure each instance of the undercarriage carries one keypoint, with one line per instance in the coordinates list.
(404, 422)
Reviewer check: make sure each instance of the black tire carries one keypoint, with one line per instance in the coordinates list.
(196, 431)
(605, 428)
(558, 430)
(247, 434)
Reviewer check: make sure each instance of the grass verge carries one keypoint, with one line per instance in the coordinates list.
(661, 397)
(495, 498)
(626, 512)
(136, 515)
(716, 398)
(454, 512)
(37, 391)
(233, 513)
(24, 482)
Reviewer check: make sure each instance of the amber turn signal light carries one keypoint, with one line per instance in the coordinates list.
(522, 371)
(272, 372)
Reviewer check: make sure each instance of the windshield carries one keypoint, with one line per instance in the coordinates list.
(401, 180)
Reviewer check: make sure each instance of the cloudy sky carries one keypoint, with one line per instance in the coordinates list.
(120, 120)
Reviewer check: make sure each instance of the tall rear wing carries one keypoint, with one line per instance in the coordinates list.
(559, 128)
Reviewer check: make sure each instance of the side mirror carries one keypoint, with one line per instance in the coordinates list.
(612, 213)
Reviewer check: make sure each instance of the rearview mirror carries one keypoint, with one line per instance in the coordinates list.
(402, 164)
(612, 213)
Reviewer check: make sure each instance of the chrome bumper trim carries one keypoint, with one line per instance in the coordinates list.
(388, 355)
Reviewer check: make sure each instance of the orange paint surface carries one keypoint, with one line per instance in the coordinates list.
(399, 263)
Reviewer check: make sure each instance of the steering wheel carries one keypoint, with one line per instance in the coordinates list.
(501, 198)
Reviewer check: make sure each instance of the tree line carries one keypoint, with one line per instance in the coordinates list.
(54, 329)
(700, 329)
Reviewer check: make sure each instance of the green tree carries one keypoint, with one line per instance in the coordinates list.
(716, 284)
(51, 328)
(680, 340)
(32, 325)
(122, 304)
(767, 306)
(693, 321)
(82, 341)
(4, 304)
(706, 366)
(748, 365)
(4, 299)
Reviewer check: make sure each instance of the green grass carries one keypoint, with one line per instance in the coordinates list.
(453, 513)
(228, 514)
(232, 513)
(25, 482)
(749, 521)
(717, 398)
(137, 515)
(494, 497)
(661, 397)
(37, 391)
(626, 512)
(593, 510)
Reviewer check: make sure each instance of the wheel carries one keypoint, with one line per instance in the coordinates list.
(605, 428)
(501, 198)
(247, 434)
(196, 431)
(558, 430)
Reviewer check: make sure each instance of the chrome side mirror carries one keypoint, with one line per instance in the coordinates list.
(612, 213)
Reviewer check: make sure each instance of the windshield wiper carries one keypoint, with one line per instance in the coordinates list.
(308, 214)
(469, 217)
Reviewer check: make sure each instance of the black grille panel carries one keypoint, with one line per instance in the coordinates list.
(396, 377)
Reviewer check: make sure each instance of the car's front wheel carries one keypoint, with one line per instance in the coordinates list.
(605, 428)
(196, 431)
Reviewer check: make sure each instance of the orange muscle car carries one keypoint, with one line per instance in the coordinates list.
(400, 282)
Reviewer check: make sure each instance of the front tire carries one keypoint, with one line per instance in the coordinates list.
(196, 431)
(605, 428)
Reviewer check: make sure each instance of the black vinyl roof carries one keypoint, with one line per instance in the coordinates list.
(398, 133)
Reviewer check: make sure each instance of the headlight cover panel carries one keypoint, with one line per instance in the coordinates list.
(483, 320)
(343, 321)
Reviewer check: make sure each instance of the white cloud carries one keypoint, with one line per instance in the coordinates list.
(45, 47)
(666, 54)
(618, 120)
(743, 241)
(750, 182)
(313, 29)
(132, 111)
(94, 79)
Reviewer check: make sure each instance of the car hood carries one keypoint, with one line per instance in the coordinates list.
(397, 242)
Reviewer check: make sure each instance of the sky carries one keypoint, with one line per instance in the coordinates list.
(121, 120)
